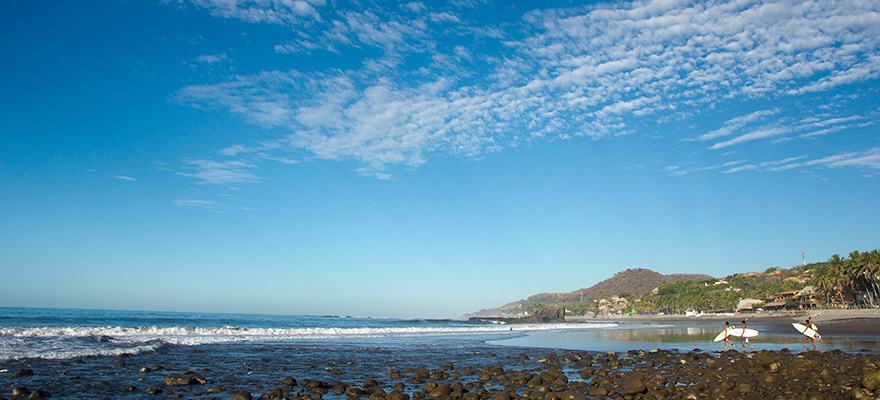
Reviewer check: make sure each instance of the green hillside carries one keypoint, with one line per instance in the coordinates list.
(839, 282)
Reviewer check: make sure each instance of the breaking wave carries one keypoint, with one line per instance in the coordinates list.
(81, 341)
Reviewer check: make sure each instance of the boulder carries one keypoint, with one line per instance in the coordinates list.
(871, 380)
(22, 373)
(184, 379)
(242, 396)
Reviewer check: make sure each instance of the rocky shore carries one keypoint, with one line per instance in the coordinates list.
(274, 371)
(561, 375)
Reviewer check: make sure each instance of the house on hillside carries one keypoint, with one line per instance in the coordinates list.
(777, 301)
(747, 305)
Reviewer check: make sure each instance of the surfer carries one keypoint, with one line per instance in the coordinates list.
(808, 324)
(727, 329)
(745, 339)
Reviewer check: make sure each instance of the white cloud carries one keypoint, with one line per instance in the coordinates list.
(262, 11)
(124, 178)
(205, 205)
(212, 58)
(762, 133)
(223, 173)
(595, 71)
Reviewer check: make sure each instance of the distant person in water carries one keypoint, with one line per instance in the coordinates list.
(745, 340)
(727, 329)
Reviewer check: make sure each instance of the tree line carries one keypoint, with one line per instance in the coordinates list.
(853, 281)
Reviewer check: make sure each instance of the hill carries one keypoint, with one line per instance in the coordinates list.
(635, 282)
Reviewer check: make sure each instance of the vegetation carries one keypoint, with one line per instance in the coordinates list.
(839, 282)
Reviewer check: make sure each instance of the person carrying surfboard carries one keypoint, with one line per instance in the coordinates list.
(746, 339)
(808, 324)
(727, 329)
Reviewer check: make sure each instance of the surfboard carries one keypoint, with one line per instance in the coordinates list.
(743, 333)
(808, 332)
(722, 335)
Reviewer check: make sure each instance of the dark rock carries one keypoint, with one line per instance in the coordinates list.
(871, 380)
(39, 394)
(129, 389)
(440, 391)
(289, 381)
(274, 394)
(185, 379)
(22, 373)
(422, 373)
(242, 396)
(20, 391)
(397, 396)
(145, 370)
(153, 391)
(632, 385)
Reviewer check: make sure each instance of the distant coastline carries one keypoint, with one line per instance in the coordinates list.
(832, 321)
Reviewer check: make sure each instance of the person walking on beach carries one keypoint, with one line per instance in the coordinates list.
(727, 329)
(745, 339)
(808, 324)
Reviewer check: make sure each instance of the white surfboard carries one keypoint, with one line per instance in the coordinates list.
(743, 332)
(725, 333)
(808, 332)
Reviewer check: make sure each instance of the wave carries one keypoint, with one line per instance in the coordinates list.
(81, 341)
(199, 335)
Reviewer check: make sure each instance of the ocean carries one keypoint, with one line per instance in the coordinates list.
(98, 354)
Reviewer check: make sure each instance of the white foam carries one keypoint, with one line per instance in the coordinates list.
(57, 342)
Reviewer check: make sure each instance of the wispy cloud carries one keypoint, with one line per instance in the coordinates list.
(596, 71)
(223, 173)
(863, 159)
(124, 178)
(205, 205)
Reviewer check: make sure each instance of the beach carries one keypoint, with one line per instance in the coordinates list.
(476, 367)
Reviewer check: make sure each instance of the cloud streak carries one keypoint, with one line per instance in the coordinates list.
(595, 72)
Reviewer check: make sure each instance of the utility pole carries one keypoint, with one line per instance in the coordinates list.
(804, 257)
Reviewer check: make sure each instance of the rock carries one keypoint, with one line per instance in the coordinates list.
(129, 389)
(871, 380)
(22, 373)
(153, 391)
(39, 394)
(397, 396)
(274, 394)
(145, 370)
(242, 396)
(289, 381)
(422, 373)
(20, 391)
(632, 386)
(440, 391)
(598, 391)
(184, 379)
(215, 389)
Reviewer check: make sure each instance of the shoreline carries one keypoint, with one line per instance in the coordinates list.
(856, 322)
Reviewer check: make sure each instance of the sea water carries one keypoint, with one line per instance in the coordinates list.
(99, 353)
(69, 333)
(95, 354)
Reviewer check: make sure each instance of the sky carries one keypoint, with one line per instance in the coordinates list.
(424, 159)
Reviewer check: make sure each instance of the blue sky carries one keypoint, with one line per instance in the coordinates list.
(424, 159)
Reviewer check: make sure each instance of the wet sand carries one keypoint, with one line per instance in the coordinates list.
(859, 322)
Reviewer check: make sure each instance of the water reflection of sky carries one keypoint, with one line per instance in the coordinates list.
(684, 337)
